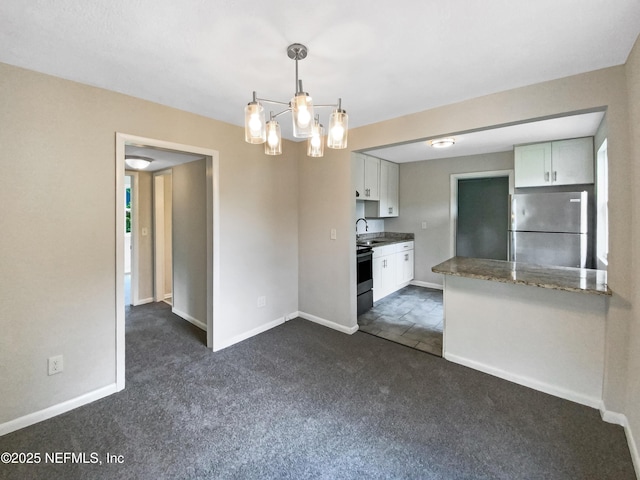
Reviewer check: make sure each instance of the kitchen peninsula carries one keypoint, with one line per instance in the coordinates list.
(539, 326)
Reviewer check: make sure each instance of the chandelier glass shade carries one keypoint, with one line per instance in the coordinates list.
(273, 145)
(255, 130)
(315, 145)
(305, 122)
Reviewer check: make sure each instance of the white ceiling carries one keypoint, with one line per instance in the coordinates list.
(384, 59)
(493, 140)
(162, 159)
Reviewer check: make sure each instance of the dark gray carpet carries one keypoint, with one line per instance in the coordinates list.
(303, 401)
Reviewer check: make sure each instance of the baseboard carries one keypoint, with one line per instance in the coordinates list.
(328, 323)
(612, 417)
(168, 295)
(633, 448)
(198, 323)
(217, 346)
(418, 283)
(59, 409)
(144, 301)
(556, 391)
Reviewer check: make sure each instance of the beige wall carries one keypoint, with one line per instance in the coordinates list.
(58, 182)
(633, 213)
(190, 240)
(425, 197)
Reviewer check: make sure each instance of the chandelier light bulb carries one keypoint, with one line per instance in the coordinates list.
(302, 112)
(272, 139)
(303, 117)
(273, 145)
(254, 125)
(315, 147)
(338, 128)
(337, 132)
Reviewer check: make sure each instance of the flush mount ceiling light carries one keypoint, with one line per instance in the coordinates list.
(137, 162)
(442, 142)
(305, 123)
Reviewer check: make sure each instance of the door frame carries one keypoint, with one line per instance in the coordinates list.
(453, 202)
(159, 228)
(134, 236)
(213, 239)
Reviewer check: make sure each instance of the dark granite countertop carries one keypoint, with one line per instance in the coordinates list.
(383, 238)
(569, 279)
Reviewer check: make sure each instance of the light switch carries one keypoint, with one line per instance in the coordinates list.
(334, 234)
(144, 232)
(424, 225)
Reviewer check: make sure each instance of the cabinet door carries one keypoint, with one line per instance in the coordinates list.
(383, 206)
(572, 161)
(404, 267)
(371, 178)
(389, 274)
(357, 167)
(378, 278)
(389, 177)
(532, 165)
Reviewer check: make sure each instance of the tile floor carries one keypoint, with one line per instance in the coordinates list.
(411, 316)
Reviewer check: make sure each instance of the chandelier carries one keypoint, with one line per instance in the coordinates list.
(305, 123)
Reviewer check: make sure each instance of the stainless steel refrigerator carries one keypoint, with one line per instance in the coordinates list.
(549, 229)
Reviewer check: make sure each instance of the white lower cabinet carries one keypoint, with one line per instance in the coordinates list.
(404, 268)
(392, 268)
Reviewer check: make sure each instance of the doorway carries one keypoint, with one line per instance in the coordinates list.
(480, 214)
(210, 222)
(483, 210)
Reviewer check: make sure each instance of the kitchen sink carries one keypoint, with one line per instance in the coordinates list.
(368, 243)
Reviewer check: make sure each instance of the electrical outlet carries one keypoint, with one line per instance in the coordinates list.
(262, 301)
(56, 364)
(333, 234)
(424, 225)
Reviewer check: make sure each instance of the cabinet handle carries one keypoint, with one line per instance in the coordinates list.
(555, 175)
(546, 176)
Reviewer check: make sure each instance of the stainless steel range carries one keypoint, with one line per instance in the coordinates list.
(364, 257)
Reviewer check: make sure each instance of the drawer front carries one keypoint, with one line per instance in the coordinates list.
(404, 246)
(384, 250)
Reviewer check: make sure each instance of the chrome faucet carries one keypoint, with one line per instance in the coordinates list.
(366, 227)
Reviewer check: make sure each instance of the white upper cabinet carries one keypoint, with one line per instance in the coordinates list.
(388, 204)
(366, 176)
(564, 162)
(371, 178)
(572, 161)
(389, 178)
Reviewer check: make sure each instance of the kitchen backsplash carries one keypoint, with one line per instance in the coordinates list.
(376, 225)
